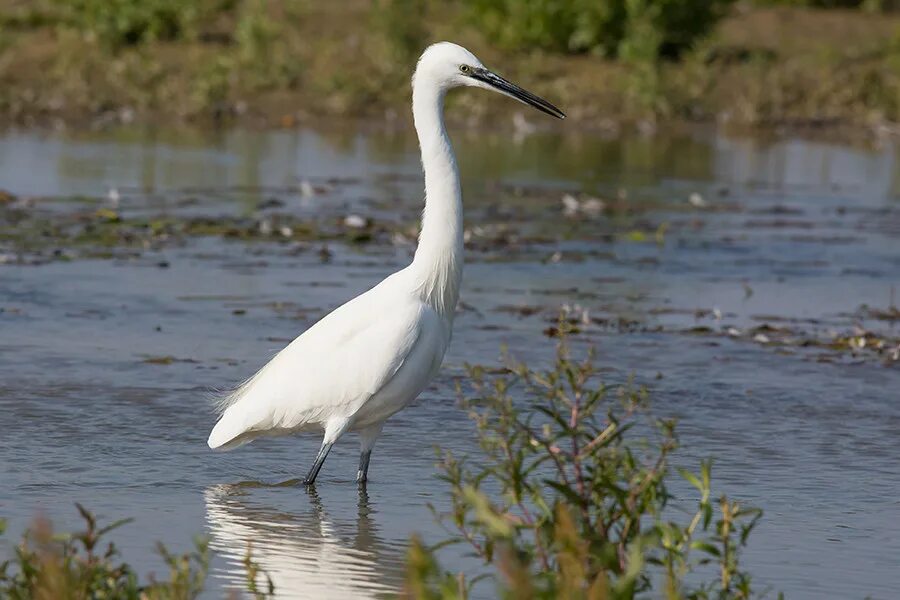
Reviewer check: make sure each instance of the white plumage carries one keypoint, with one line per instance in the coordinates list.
(372, 356)
(338, 370)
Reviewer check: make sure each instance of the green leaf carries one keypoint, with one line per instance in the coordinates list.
(705, 547)
(691, 478)
(114, 525)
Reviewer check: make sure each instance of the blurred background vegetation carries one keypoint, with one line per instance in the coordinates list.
(277, 62)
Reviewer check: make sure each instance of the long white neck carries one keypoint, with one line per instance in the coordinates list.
(439, 256)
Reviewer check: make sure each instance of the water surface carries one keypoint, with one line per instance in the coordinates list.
(106, 363)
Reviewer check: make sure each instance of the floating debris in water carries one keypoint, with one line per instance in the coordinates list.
(696, 200)
(748, 291)
(570, 205)
(859, 344)
(269, 203)
(355, 222)
(593, 206)
(521, 311)
(107, 214)
(306, 189)
(167, 360)
(590, 206)
(576, 312)
(890, 314)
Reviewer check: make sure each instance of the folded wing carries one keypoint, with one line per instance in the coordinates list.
(329, 370)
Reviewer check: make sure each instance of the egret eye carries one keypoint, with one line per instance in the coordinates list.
(464, 69)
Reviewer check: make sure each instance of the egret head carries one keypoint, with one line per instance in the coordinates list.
(447, 65)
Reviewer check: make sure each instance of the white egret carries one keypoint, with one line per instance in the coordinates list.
(372, 356)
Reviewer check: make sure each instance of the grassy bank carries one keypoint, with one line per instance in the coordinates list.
(279, 63)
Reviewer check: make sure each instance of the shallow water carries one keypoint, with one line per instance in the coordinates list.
(787, 232)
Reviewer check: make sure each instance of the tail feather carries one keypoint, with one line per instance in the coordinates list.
(228, 431)
(234, 422)
(239, 416)
(222, 402)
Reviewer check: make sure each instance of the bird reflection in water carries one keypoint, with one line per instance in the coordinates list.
(306, 553)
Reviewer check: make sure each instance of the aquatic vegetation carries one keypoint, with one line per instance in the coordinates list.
(889, 314)
(36, 230)
(567, 499)
(617, 228)
(855, 344)
(42, 230)
(816, 341)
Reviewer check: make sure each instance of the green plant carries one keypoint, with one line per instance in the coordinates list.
(264, 58)
(81, 566)
(212, 85)
(117, 23)
(255, 32)
(563, 504)
(401, 24)
(865, 5)
(253, 573)
(595, 26)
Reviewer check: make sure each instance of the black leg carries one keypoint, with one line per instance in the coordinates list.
(317, 466)
(363, 474)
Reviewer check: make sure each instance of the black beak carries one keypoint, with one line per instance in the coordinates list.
(513, 91)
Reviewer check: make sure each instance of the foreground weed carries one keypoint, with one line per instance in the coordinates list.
(567, 500)
(83, 566)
